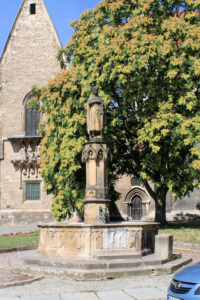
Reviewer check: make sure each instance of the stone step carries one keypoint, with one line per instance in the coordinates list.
(118, 254)
(84, 265)
(34, 258)
(103, 273)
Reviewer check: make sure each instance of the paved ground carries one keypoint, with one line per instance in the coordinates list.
(50, 288)
(63, 289)
(119, 289)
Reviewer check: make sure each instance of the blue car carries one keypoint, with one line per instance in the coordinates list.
(185, 284)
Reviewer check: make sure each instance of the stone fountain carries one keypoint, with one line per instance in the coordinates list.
(96, 234)
(97, 248)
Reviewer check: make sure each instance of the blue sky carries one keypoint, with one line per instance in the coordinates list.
(62, 12)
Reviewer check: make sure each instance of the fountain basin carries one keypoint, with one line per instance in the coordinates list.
(79, 240)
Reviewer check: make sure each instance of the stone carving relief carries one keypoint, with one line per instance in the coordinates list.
(95, 152)
(98, 193)
(79, 237)
(28, 152)
(133, 239)
(66, 239)
(27, 160)
(97, 240)
(74, 240)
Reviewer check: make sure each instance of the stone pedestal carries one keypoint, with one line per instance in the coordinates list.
(96, 203)
(164, 246)
(96, 212)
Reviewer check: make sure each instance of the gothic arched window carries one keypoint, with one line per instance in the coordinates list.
(137, 208)
(32, 119)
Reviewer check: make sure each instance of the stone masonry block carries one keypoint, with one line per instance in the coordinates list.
(164, 245)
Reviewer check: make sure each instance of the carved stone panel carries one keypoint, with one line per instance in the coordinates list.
(134, 239)
(96, 240)
(95, 152)
(114, 239)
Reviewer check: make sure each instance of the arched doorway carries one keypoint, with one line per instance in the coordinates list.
(137, 201)
(136, 210)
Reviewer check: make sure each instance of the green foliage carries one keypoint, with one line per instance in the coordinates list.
(34, 103)
(145, 57)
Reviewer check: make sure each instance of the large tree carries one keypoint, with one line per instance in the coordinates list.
(144, 55)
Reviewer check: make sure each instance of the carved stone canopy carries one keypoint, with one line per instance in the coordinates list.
(27, 168)
(26, 158)
(95, 152)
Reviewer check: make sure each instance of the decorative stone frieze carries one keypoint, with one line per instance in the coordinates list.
(96, 192)
(85, 241)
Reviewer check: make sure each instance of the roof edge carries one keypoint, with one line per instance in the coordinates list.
(52, 24)
(14, 24)
(11, 31)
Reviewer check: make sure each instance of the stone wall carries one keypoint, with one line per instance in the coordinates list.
(29, 58)
(128, 188)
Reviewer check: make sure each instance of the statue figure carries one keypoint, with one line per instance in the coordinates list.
(22, 154)
(95, 118)
(29, 152)
(37, 152)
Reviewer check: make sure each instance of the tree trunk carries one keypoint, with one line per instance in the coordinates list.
(159, 197)
(160, 208)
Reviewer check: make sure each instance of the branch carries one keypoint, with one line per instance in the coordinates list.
(149, 190)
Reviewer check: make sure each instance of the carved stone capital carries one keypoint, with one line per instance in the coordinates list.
(95, 152)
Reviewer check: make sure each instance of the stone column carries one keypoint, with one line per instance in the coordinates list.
(95, 154)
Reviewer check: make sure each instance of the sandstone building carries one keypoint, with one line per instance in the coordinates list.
(29, 58)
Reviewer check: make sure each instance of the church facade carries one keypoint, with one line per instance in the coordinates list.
(29, 58)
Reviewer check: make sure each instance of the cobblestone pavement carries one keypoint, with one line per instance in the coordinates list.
(131, 288)
(53, 288)
(7, 277)
(59, 288)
